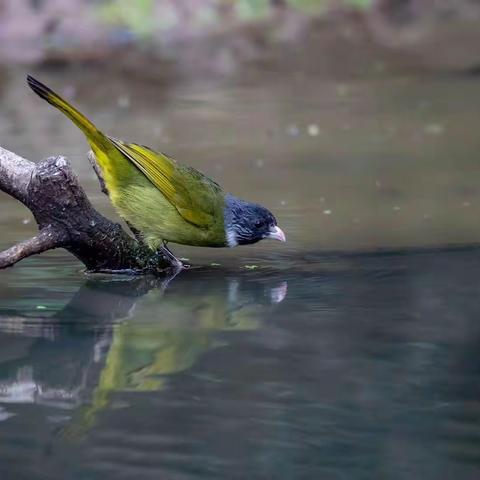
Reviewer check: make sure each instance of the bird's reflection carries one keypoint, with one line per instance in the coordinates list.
(127, 335)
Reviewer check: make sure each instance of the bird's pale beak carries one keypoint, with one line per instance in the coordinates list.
(276, 233)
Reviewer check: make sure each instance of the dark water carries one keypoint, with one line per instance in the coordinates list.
(276, 361)
(361, 366)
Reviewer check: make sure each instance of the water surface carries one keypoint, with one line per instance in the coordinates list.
(350, 352)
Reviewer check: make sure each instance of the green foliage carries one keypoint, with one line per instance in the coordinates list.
(137, 16)
(252, 9)
(317, 6)
(142, 17)
(364, 4)
(309, 6)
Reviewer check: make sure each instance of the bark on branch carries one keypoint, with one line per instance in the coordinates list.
(66, 219)
(47, 239)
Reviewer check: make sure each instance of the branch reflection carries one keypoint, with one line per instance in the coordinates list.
(125, 334)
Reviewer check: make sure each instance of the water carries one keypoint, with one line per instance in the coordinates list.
(350, 352)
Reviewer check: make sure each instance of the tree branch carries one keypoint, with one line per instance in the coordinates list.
(15, 174)
(47, 239)
(66, 218)
(98, 172)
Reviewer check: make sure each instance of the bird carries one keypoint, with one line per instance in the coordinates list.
(164, 201)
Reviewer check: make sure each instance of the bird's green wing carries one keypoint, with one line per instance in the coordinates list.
(193, 195)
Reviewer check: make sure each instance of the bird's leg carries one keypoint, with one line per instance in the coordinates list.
(178, 264)
(165, 246)
(136, 233)
(171, 256)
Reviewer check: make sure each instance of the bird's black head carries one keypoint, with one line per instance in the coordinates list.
(247, 223)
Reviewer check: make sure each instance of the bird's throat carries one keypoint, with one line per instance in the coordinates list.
(231, 238)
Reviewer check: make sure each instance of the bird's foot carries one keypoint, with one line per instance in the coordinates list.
(177, 263)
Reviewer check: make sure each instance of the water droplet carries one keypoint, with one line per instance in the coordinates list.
(434, 129)
(123, 101)
(292, 130)
(313, 130)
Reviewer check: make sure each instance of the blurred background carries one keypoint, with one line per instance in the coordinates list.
(350, 352)
(200, 37)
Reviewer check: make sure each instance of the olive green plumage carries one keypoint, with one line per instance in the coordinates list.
(165, 201)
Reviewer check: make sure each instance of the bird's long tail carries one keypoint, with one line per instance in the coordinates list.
(95, 137)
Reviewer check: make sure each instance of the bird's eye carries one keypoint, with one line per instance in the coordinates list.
(258, 223)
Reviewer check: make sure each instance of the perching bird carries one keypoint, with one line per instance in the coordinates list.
(166, 201)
